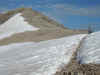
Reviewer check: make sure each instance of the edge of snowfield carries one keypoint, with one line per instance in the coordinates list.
(89, 52)
(15, 24)
(44, 58)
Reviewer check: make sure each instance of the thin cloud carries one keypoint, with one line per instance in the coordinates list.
(67, 9)
(3, 10)
(62, 9)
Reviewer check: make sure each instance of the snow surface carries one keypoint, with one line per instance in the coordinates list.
(15, 24)
(44, 58)
(90, 49)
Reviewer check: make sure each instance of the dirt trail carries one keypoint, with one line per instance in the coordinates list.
(75, 68)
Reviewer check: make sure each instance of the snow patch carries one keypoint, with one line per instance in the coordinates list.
(14, 25)
(90, 49)
(43, 58)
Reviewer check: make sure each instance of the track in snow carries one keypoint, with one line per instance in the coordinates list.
(90, 49)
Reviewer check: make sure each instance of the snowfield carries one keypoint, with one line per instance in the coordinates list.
(44, 58)
(15, 24)
(90, 49)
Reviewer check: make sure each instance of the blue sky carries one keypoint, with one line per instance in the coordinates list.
(76, 14)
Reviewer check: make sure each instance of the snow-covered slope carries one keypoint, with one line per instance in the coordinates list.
(90, 49)
(43, 58)
(15, 24)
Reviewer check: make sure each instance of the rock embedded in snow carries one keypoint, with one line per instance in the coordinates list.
(43, 58)
(89, 51)
(15, 24)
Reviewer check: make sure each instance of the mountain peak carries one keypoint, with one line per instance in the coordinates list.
(47, 28)
(32, 17)
(5, 16)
